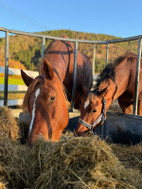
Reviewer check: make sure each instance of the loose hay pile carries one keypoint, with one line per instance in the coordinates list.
(8, 125)
(130, 156)
(71, 163)
(84, 163)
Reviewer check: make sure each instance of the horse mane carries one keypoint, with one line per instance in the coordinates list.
(109, 71)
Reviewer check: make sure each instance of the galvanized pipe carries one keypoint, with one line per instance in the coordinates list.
(43, 47)
(137, 78)
(74, 75)
(73, 40)
(53, 37)
(6, 68)
(75, 63)
(107, 51)
(94, 56)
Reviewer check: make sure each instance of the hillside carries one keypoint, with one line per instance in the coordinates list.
(27, 50)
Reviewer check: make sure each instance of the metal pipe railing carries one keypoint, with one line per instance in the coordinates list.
(137, 78)
(76, 41)
(52, 37)
(93, 62)
(107, 52)
(6, 67)
(72, 40)
(43, 47)
(74, 76)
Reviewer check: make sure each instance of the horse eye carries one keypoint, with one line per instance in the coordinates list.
(52, 98)
(93, 111)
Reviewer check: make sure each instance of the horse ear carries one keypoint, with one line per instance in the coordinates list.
(103, 92)
(47, 69)
(27, 79)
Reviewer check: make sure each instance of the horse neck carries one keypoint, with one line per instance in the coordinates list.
(122, 79)
(119, 86)
(60, 56)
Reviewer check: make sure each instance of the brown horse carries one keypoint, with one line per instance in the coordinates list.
(46, 99)
(116, 81)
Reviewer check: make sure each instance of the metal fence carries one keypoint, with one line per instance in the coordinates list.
(75, 41)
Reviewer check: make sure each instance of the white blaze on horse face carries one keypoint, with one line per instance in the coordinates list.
(86, 104)
(34, 108)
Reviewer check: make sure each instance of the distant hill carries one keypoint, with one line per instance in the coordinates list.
(12, 64)
(27, 50)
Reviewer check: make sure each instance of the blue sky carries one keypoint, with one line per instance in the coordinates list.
(121, 18)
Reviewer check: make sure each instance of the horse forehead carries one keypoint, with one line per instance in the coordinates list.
(94, 100)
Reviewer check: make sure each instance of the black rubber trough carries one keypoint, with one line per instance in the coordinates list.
(117, 128)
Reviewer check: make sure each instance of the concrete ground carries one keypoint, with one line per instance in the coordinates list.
(113, 108)
(16, 113)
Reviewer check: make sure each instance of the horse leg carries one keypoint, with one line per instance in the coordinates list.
(125, 105)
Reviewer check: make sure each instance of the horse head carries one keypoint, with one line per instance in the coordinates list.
(93, 108)
(46, 102)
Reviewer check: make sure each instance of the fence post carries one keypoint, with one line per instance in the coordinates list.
(93, 63)
(137, 78)
(43, 47)
(6, 67)
(107, 51)
(74, 75)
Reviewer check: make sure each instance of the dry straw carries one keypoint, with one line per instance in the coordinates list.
(8, 125)
(71, 163)
(130, 156)
(84, 163)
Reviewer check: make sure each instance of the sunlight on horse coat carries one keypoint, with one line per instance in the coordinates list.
(46, 95)
(116, 81)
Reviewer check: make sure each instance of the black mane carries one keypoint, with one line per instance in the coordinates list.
(107, 73)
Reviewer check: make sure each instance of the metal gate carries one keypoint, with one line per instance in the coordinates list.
(75, 41)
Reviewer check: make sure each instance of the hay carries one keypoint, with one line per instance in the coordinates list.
(15, 164)
(8, 125)
(71, 163)
(130, 156)
(84, 163)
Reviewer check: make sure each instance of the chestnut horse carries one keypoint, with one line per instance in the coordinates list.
(116, 81)
(46, 95)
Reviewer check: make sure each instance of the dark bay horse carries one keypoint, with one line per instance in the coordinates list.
(46, 95)
(116, 81)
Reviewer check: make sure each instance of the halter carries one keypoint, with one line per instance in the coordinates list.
(100, 119)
